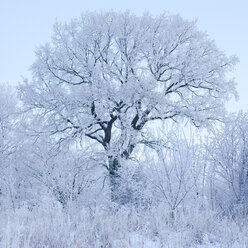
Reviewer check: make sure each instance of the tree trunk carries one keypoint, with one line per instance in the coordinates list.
(113, 175)
(119, 193)
(119, 190)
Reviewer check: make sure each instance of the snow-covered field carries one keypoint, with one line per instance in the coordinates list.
(119, 228)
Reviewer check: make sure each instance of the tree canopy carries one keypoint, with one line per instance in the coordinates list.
(107, 75)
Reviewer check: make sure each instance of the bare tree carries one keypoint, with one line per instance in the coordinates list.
(107, 75)
(8, 143)
(229, 156)
(175, 172)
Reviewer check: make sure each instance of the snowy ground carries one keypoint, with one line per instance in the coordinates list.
(125, 228)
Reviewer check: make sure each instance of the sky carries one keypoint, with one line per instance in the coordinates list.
(27, 24)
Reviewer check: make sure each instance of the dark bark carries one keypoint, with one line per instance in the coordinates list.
(119, 194)
(114, 178)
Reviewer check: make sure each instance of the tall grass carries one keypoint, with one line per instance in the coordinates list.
(119, 227)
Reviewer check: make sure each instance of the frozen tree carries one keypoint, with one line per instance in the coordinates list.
(108, 75)
(63, 175)
(7, 109)
(229, 156)
(175, 171)
(7, 141)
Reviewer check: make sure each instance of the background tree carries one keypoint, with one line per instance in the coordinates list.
(8, 145)
(175, 170)
(108, 75)
(229, 157)
(65, 176)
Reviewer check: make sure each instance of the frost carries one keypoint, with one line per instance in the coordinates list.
(120, 139)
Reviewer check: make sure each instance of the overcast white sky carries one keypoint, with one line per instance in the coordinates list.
(26, 24)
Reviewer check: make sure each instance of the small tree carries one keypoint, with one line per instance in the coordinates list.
(7, 143)
(175, 171)
(65, 175)
(229, 156)
(107, 75)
